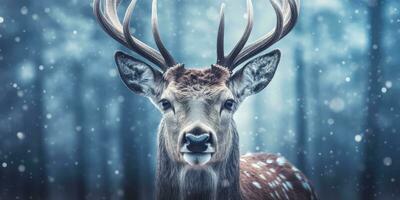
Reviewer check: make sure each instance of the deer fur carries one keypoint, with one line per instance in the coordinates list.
(227, 175)
(262, 176)
(198, 143)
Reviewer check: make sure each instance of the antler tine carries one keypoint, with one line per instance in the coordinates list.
(106, 24)
(111, 11)
(292, 18)
(138, 46)
(265, 41)
(239, 46)
(290, 15)
(286, 20)
(111, 24)
(228, 60)
(220, 37)
(169, 60)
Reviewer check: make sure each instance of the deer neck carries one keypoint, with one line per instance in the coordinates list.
(219, 181)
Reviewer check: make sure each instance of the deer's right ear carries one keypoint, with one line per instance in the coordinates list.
(138, 76)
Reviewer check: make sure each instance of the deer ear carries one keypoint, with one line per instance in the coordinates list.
(255, 75)
(138, 76)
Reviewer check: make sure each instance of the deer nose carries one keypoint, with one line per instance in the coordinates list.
(197, 143)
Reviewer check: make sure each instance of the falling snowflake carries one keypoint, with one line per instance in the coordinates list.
(21, 168)
(388, 84)
(20, 135)
(387, 161)
(24, 10)
(358, 138)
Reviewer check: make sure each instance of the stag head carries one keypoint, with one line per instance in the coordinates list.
(197, 104)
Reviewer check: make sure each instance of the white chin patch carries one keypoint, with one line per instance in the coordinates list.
(197, 158)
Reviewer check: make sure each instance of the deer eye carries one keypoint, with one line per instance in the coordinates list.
(229, 104)
(165, 104)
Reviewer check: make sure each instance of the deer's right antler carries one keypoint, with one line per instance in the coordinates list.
(109, 20)
(286, 17)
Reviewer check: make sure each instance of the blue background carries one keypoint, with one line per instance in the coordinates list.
(70, 129)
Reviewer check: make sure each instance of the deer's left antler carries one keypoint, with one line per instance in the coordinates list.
(287, 12)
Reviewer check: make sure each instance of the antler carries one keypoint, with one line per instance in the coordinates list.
(227, 60)
(286, 18)
(108, 19)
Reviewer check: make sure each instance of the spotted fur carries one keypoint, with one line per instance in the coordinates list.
(272, 177)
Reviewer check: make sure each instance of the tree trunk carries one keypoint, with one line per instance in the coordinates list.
(301, 115)
(10, 179)
(25, 177)
(371, 135)
(104, 144)
(301, 103)
(129, 143)
(35, 185)
(81, 133)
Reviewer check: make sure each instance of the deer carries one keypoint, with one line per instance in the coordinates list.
(198, 144)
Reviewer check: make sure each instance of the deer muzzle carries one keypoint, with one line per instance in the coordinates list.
(197, 148)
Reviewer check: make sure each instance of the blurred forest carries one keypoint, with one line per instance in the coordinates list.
(70, 129)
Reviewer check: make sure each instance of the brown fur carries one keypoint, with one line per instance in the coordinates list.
(197, 81)
(268, 176)
(197, 98)
(259, 176)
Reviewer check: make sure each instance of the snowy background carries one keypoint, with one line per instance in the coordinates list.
(70, 129)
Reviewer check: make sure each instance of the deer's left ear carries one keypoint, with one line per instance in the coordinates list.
(255, 75)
